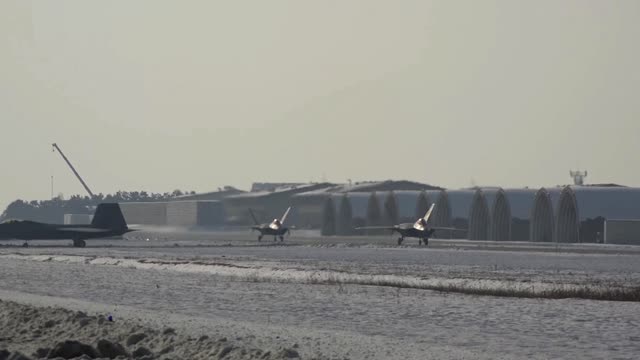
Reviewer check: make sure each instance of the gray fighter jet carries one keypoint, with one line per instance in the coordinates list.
(419, 229)
(275, 228)
(107, 222)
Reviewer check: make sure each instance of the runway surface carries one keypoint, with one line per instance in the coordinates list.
(345, 297)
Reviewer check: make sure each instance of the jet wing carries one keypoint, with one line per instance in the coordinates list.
(446, 228)
(242, 227)
(376, 228)
(82, 229)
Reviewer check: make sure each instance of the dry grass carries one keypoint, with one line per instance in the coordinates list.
(470, 287)
(585, 292)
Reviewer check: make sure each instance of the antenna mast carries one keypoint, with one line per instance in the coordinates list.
(55, 147)
(578, 177)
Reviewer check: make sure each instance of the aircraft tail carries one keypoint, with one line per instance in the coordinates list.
(109, 216)
(421, 223)
(428, 214)
(284, 217)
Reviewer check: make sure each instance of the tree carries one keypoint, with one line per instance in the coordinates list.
(52, 211)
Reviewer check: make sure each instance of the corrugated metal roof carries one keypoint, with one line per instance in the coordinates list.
(337, 201)
(520, 202)
(434, 195)
(554, 196)
(490, 195)
(283, 190)
(460, 203)
(607, 202)
(377, 186)
(382, 197)
(211, 195)
(406, 201)
(359, 203)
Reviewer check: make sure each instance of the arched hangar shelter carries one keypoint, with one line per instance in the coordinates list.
(359, 206)
(422, 204)
(374, 214)
(387, 207)
(328, 217)
(545, 203)
(582, 210)
(331, 220)
(457, 205)
(344, 212)
(441, 212)
(344, 220)
(407, 201)
(353, 212)
(520, 203)
(310, 207)
(490, 215)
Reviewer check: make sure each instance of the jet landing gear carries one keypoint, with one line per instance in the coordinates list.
(259, 237)
(421, 241)
(281, 238)
(79, 243)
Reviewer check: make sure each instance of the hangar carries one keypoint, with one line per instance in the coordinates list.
(452, 210)
(575, 213)
(543, 214)
(329, 209)
(441, 215)
(582, 211)
(374, 214)
(520, 205)
(359, 203)
(490, 215)
(266, 204)
(422, 204)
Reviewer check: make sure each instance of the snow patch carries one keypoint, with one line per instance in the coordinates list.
(265, 273)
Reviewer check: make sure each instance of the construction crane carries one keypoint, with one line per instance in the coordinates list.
(54, 148)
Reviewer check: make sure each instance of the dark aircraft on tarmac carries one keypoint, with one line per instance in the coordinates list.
(419, 229)
(275, 228)
(107, 222)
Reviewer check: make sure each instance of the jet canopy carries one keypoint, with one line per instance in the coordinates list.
(275, 224)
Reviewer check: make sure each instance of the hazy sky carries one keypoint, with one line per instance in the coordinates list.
(159, 95)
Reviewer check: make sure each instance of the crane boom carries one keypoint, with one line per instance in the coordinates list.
(55, 147)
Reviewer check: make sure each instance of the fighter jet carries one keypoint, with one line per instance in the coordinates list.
(275, 228)
(107, 222)
(419, 229)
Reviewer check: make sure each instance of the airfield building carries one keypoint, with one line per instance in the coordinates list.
(574, 213)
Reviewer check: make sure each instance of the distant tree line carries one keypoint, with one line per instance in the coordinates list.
(53, 210)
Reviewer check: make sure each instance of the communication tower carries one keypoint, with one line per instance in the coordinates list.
(578, 177)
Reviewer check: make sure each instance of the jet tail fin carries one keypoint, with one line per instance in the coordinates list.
(428, 214)
(109, 216)
(421, 224)
(284, 217)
